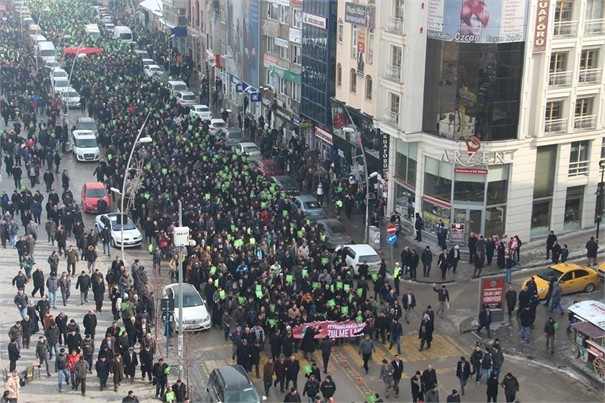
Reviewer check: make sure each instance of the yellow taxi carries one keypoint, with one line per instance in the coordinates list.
(572, 278)
(601, 270)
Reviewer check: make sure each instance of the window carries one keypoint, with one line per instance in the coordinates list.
(553, 117)
(563, 11)
(558, 67)
(594, 9)
(295, 54)
(338, 75)
(284, 14)
(271, 48)
(470, 188)
(438, 179)
(370, 50)
(272, 11)
(396, 56)
(398, 9)
(405, 161)
(573, 208)
(566, 277)
(544, 177)
(579, 158)
(353, 79)
(497, 186)
(588, 59)
(297, 18)
(369, 88)
(282, 86)
(540, 217)
(341, 29)
(580, 273)
(394, 103)
(583, 118)
(354, 43)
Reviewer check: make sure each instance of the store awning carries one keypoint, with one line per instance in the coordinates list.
(154, 6)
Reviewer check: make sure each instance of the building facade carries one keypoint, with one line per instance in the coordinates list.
(495, 116)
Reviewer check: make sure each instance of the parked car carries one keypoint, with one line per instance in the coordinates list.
(250, 149)
(231, 384)
(286, 184)
(234, 137)
(71, 98)
(58, 73)
(195, 313)
(60, 86)
(334, 232)
(216, 125)
(151, 69)
(176, 86)
(86, 123)
(356, 255)
(132, 235)
(266, 167)
(148, 62)
(91, 193)
(202, 111)
(310, 206)
(571, 277)
(141, 53)
(185, 98)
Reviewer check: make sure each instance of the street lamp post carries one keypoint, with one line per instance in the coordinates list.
(122, 193)
(600, 199)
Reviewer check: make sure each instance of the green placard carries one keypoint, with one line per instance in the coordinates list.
(272, 322)
(216, 282)
(238, 243)
(347, 287)
(305, 272)
(316, 285)
(289, 278)
(222, 294)
(339, 285)
(359, 291)
(212, 270)
(344, 310)
(325, 261)
(241, 299)
(259, 294)
(259, 287)
(375, 277)
(359, 318)
(331, 303)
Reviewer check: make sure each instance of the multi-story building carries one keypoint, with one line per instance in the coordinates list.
(174, 19)
(281, 43)
(495, 112)
(318, 65)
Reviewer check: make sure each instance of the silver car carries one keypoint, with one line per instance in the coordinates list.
(308, 205)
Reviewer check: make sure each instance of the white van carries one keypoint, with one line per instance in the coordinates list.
(92, 30)
(85, 146)
(36, 39)
(47, 51)
(124, 33)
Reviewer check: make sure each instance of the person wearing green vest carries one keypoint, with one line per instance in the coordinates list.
(339, 205)
(396, 277)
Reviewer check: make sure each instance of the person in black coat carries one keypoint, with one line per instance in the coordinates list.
(243, 355)
(13, 354)
(292, 367)
(98, 291)
(180, 391)
(130, 364)
(90, 323)
(38, 278)
(102, 367)
(429, 378)
(308, 341)
(416, 387)
(275, 340)
(492, 388)
(146, 361)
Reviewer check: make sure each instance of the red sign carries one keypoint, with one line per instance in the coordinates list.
(391, 229)
(472, 171)
(541, 31)
(332, 329)
(492, 293)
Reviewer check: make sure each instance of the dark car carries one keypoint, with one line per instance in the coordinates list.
(286, 184)
(231, 384)
(266, 167)
(334, 232)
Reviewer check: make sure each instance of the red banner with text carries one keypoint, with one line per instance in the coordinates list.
(332, 329)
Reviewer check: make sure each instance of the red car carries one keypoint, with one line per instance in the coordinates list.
(91, 193)
(266, 167)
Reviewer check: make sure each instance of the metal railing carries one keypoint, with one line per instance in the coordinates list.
(594, 27)
(394, 26)
(566, 28)
(555, 125)
(392, 73)
(589, 76)
(559, 78)
(586, 122)
(578, 168)
(391, 117)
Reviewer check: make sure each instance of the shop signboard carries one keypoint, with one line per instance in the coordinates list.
(541, 29)
(360, 14)
(471, 21)
(491, 294)
(457, 233)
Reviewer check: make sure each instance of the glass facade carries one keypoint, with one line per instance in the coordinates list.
(406, 168)
(472, 89)
(318, 60)
(544, 182)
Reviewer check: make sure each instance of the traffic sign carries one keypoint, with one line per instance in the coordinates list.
(391, 238)
(391, 229)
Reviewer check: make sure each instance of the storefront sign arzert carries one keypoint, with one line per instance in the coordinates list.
(475, 158)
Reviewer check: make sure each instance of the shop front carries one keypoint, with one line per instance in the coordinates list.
(466, 195)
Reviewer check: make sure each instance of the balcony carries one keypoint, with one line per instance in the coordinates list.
(394, 26)
(586, 122)
(391, 117)
(555, 126)
(594, 27)
(392, 73)
(578, 168)
(559, 78)
(566, 28)
(589, 76)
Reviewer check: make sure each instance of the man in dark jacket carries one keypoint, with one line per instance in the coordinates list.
(485, 321)
(280, 373)
(292, 368)
(311, 388)
(13, 354)
(180, 391)
(130, 364)
(38, 278)
(511, 300)
(83, 284)
(429, 378)
(160, 375)
(90, 323)
(550, 241)
(397, 365)
(293, 396)
(463, 372)
(326, 349)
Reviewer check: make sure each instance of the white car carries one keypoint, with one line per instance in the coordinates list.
(357, 254)
(58, 73)
(148, 62)
(195, 313)
(217, 125)
(250, 149)
(132, 235)
(202, 111)
(152, 69)
(60, 86)
(185, 98)
(71, 98)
